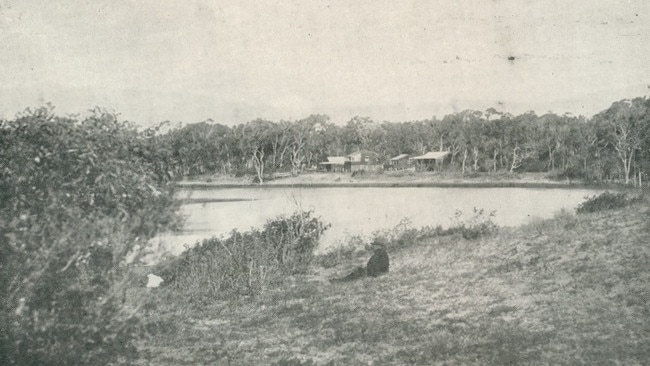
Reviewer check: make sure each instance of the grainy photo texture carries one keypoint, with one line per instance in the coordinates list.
(298, 183)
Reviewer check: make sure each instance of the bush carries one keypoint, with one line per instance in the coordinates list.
(246, 263)
(245, 172)
(605, 201)
(359, 173)
(336, 255)
(401, 236)
(480, 224)
(76, 197)
(562, 220)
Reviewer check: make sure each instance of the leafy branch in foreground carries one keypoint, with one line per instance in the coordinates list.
(76, 197)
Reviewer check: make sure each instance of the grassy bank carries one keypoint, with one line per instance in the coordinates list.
(569, 290)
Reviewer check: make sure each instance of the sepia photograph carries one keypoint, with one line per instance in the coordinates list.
(332, 182)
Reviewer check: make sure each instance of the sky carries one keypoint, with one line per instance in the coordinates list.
(235, 61)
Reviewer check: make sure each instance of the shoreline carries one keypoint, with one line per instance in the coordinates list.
(563, 280)
(448, 184)
(397, 180)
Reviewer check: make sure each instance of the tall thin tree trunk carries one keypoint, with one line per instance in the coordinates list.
(464, 160)
(515, 159)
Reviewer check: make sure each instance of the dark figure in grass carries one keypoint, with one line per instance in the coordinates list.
(377, 265)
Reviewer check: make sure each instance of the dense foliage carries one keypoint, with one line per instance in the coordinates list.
(245, 263)
(606, 201)
(76, 198)
(613, 145)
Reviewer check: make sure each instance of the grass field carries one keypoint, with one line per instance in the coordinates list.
(572, 290)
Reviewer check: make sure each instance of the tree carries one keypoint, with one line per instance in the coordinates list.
(363, 133)
(255, 140)
(472, 131)
(625, 122)
(301, 133)
(517, 131)
(451, 136)
(279, 136)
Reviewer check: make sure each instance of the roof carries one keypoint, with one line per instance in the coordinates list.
(334, 160)
(432, 155)
(363, 152)
(400, 157)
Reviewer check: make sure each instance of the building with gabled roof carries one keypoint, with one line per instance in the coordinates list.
(400, 161)
(334, 163)
(430, 160)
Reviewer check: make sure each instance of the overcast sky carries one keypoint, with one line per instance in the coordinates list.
(234, 61)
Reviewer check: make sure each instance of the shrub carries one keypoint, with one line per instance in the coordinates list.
(245, 172)
(605, 201)
(75, 198)
(563, 219)
(400, 236)
(245, 263)
(478, 225)
(336, 255)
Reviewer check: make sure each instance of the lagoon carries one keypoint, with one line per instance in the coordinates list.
(359, 211)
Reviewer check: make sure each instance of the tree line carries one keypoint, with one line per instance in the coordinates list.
(80, 197)
(612, 145)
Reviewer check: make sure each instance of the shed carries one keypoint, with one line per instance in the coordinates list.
(430, 160)
(334, 163)
(401, 161)
(363, 156)
(362, 160)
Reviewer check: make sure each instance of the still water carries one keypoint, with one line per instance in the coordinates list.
(354, 211)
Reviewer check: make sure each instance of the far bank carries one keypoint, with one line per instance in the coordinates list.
(395, 179)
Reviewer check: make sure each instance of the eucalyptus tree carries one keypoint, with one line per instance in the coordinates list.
(519, 143)
(396, 140)
(472, 129)
(279, 137)
(362, 133)
(451, 136)
(625, 123)
(255, 142)
(495, 137)
(301, 134)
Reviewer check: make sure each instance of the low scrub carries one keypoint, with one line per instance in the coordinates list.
(404, 235)
(339, 254)
(606, 201)
(478, 225)
(562, 220)
(246, 263)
